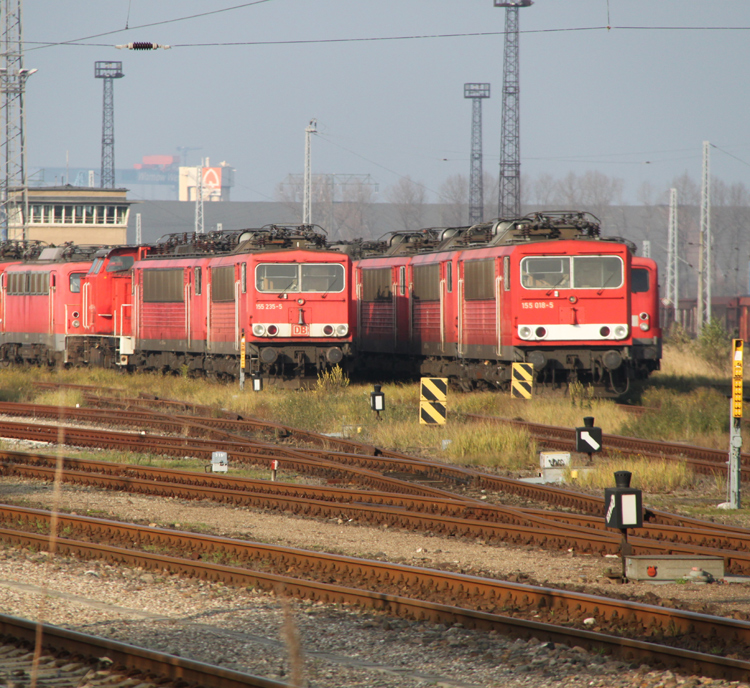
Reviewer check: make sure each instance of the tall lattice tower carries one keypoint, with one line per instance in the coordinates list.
(673, 255)
(476, 92)
(108, 71)
(14, 199)
(509, 203)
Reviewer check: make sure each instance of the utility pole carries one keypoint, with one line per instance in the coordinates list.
(108, 71)
(312, 128)
(509, 203)
(14, 195)
(476, 92)
(673, 268)
(138, 230)
(704, 257)
(199, 226)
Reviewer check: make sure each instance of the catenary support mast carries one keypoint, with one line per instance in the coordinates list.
(476, 92)
(107, 71)
(14, 200)
(509, 204)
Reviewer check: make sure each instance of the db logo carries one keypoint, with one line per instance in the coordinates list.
(651, 571)
(300, 330)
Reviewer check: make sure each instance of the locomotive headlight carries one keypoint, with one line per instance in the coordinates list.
(342, 330)
(643, 316)
(76, 323)
(328, 330)
(524, 332)
(259, 330)
(643, 326)
(621, 332)
(272, 330)
(540, 332)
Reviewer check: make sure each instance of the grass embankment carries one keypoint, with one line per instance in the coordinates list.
(687, 408)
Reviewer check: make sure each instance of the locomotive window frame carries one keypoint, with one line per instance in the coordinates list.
(479, 279)
(426, 282)
(640, 280)
(376, 284)
(163, 285)
(402, 280)
(306, 278)
(243, 277)
(120, 263)
(222, 283)
(566, 272)
(197, 280)
(75, 280)
(449, 277)
(602, 277)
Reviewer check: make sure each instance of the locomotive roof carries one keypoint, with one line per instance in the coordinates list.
(41, 252)
(535, 227)
(237, 241)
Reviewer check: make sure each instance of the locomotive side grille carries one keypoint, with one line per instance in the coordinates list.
(426, 321)
(480, 319)
(377, 319)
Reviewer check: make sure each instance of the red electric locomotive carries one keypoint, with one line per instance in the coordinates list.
(280, 287)
(465, 303)
(42, 304)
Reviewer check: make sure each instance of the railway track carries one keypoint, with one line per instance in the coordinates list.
(445, 514)
(632, 630)
(68, 659)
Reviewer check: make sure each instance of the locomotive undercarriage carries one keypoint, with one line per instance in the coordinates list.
(609, 372)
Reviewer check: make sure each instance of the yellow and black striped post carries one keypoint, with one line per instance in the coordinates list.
(433, 393)
(522, 382)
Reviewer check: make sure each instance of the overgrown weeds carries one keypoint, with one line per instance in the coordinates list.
(648, 474)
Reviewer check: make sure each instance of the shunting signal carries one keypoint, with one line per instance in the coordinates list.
(433, 409)
(522, 381)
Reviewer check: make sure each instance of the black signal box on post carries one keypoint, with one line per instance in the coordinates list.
(623, 504)
(588, 438)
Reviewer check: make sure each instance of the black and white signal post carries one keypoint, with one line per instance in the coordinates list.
(588, 438)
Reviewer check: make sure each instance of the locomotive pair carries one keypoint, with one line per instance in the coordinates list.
(460, 302)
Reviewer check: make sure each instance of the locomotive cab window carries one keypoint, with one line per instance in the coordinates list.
(120, 263)
(545, 272)
(96, 266)
(597, 272)
(580, 272)
(639, 281)
(75, 282)
(325, 277)
(280, 278)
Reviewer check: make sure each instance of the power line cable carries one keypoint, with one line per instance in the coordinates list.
(372, 39)
(76, 41)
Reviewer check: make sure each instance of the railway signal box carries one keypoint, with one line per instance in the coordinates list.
(588, 438)
(623, 504)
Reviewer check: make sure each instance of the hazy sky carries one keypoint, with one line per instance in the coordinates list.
(634, 103)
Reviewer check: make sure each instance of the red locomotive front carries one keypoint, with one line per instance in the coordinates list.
(279, 287)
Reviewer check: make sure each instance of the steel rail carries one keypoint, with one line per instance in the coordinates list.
(639, 619)
(128, 658)
(506, 524)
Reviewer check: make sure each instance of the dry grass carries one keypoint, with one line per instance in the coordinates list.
(699, 416)
(648, 474)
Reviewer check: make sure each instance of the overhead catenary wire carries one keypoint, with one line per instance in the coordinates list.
(78, 42)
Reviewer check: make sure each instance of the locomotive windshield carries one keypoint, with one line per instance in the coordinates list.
(582, 272)
(293, 277)
(120, 263)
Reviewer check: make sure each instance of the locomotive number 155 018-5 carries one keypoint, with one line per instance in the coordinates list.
(537, 304)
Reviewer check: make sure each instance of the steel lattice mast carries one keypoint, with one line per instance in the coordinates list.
(704, 257)
(509, 204)
(199, 224)
(476, 183)
(14, 200)
(673, 272)
(108, 71)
